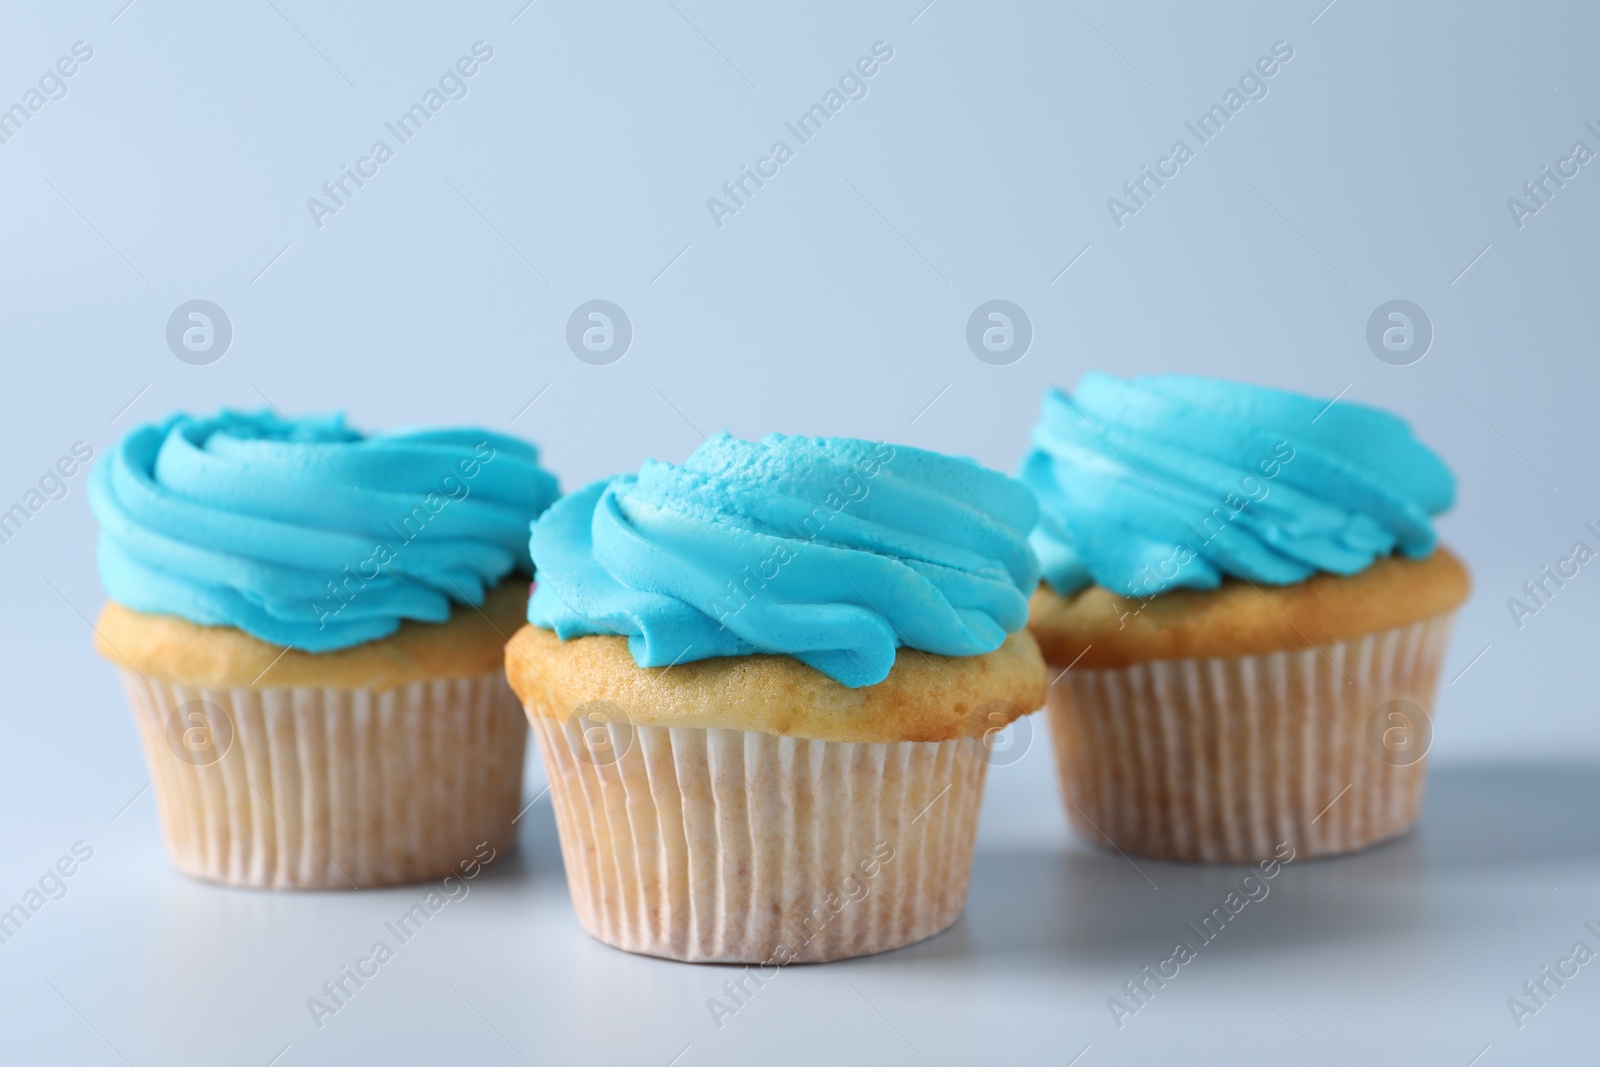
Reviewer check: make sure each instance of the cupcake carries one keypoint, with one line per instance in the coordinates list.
(309, 623)
(1245, 611)
(762, 684)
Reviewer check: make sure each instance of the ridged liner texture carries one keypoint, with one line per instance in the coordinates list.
(733, 846)
(337, 788)
(1218, 760)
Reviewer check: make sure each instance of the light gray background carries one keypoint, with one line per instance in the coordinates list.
(978, 167)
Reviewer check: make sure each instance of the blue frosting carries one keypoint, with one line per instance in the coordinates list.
(1170, 481)
(308, 533)
(830, 550)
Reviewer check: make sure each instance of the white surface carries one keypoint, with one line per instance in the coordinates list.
(1406, 953)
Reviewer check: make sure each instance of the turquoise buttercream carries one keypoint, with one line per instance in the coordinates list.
(830, 550)
(308, 533)
(1170, 481)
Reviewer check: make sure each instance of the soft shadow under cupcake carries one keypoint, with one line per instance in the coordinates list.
(1034, 908)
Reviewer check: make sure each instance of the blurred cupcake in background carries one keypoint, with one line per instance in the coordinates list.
(309, 623)
(1245, 613)
(762, 682)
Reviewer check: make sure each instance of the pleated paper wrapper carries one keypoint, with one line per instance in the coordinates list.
(329, 788)
(734, 846)
(1219, 760)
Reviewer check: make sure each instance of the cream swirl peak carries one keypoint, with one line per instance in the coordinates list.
(1170, 481)
(308, 533)
(830, 550)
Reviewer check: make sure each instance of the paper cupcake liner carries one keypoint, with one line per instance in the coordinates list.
(308, 788)
(1218, 760)
(733, 846)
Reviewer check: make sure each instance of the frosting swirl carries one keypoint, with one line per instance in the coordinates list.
(1170, 481)
(308, 533)
(830, 550)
